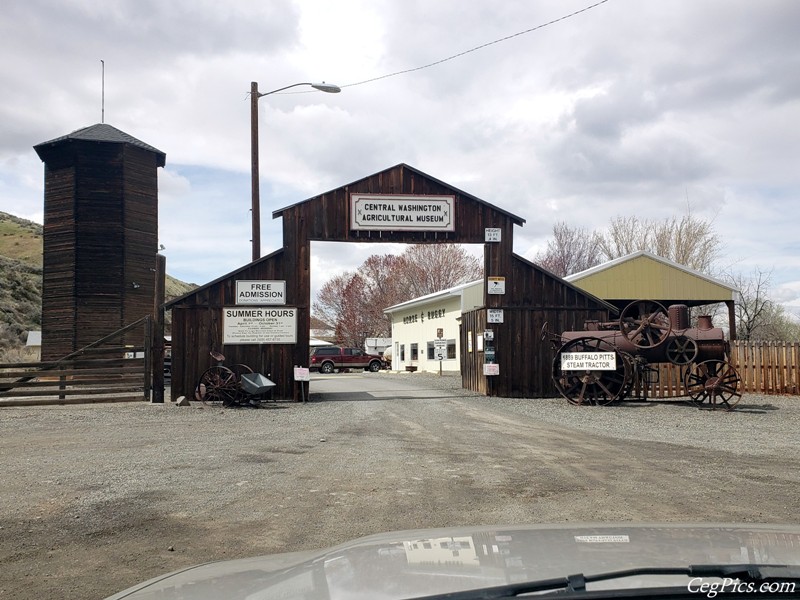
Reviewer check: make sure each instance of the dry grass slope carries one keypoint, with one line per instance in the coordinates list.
(21, 282)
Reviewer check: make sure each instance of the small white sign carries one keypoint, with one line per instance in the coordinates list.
(588, 361)
(260, 292)
(496, 285)
(602, 539)
(302, 374)
(491, 369)
(488, 335)
(494, 315)
(259, 325)
(492, 234)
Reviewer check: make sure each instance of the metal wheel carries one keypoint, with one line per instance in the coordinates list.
(645, 323)
(589, 386)
(326, 367)
(217, 385)
(374, 366)
(681, 350)
(714, 382)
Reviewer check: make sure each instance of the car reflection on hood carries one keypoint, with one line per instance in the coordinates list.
(419, 563)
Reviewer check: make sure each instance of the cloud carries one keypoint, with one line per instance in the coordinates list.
(625, 109)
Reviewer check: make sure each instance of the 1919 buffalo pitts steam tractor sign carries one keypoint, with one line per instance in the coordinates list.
(608, 360)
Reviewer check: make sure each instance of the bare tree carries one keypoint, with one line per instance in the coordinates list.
(431, 268)
(353, 324)
(758, 317)
(688, 240)
(354, 302)
(570, 251)
(328, 304)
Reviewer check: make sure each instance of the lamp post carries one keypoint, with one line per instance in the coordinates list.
(254, 96)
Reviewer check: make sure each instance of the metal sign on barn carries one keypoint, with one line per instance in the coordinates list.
(259, 325)
(260, 292)
(379, 212)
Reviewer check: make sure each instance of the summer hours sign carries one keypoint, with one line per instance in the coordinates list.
(385, 212)
(259, 325)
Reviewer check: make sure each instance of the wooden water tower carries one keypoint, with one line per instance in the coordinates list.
(100, 236)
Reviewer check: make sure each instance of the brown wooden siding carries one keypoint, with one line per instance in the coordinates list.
(100, 236)
(533, 295)
(197, 330)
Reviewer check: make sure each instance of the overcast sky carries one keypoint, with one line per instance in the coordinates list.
(630, 108)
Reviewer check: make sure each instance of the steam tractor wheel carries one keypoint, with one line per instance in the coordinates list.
(593, 386)
(681, 350)
(645, 323)
(715, 382)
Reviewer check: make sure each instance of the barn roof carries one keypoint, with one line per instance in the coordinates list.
(201, 288)
(644, 275)
(517, 220)
(101, 132)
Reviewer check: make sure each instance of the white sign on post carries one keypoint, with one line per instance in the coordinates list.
(491, 369)
(440, 349)
(259, 325)
(260, 292)
(492, 234)
(494, 315)
(497, 285)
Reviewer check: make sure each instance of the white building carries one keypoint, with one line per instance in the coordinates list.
(416, 324)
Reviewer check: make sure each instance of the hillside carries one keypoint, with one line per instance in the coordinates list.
(21, 280)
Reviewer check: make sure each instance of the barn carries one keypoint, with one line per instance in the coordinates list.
(400, 204)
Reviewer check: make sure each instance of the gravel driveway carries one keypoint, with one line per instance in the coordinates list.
(96, 498)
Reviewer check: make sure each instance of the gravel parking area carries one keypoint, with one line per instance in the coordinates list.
(96, 498)
(759, 425)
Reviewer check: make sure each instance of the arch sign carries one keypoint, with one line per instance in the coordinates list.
(383, 212)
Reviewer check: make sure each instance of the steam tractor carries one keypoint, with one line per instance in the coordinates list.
(608, 360)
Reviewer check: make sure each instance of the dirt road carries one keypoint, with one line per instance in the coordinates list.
(96, 498)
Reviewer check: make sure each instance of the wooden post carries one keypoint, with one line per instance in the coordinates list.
(158, 330)
(148, 355)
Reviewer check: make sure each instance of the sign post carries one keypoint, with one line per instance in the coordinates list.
(440, 352)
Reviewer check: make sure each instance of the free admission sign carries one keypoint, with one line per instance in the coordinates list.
(260, 292)
(389, 212)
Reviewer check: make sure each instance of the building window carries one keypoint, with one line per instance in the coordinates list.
(430, 351)
(451, 349)
(402, 352)
(414, 352)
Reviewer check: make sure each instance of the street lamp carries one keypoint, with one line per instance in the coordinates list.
(254, 96)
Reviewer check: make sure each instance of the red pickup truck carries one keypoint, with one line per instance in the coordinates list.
(328, 358)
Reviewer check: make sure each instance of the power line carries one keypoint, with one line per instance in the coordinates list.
(476, 48)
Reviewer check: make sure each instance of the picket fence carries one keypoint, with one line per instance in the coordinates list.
(769, 368)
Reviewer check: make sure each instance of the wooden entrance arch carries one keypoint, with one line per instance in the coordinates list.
(197, 316)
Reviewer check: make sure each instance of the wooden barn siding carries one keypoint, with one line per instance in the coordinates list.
(533, 297)
(140, 233)
(327, 218)
(100, 235)
(58, 285)
(197, 328)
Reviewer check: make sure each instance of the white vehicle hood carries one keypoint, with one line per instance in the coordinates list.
(409, 564)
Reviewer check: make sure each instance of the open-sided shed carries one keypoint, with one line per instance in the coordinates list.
(645, 276)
